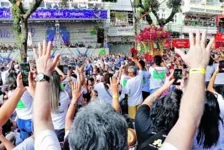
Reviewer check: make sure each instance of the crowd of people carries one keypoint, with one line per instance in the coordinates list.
(200, 21)
(115, 102)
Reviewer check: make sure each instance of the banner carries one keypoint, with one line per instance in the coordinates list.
(219, 37)
(59, 14)
(181, 43)
(29, 41)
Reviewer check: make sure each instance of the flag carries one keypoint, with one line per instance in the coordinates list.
(29, 41)
(102, 51)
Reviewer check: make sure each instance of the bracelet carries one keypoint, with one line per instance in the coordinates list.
(197, 70)
(115, 96)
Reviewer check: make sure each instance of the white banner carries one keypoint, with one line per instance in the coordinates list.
(29, 41)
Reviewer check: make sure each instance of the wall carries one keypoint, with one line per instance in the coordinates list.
(124, 48)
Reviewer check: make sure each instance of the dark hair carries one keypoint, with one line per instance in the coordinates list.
(2, 68)
(158, 60)
(107, 77)
(7, 127)
(208, 131)
(11, 81)
(166, 113)
(211, 61)
(219, 89)
(98, 126)
(142, 63)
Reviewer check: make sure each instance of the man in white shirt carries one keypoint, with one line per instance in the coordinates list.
(134, 89)
(5, 73)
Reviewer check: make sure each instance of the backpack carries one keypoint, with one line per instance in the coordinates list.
(154, 142)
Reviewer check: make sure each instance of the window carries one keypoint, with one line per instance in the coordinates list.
(5, 4)
(175, 18)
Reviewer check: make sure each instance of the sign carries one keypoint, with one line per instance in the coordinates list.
(121, 31)
(167, 44)
(59, 14)
(219, 37)
(181, 43)
(29, 41)
(219, 40)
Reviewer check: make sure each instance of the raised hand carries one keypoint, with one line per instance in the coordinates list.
(19, 82)
(32, 83)
(199, 53)
(169, 80)
(114, 85)
(44, 64)
(76, 92)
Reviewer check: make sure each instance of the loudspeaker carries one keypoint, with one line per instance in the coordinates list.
(100, 35)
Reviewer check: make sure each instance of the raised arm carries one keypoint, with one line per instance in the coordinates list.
(153, 97)
(76, 93)
(41, 106)
(9, 106)
(192, 103)
(60, 73)
(212, 81)
(137, 62)
(7, 144)
(114, 88)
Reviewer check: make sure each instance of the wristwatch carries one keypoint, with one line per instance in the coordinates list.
(42, 77)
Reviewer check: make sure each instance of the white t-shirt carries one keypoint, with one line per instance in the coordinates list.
(157, 76)
(24, 108)
(221, 105)
(27, 144)
(145, 81)
(123, 82)
(209, 72)
(103, 94)
(47, 140)
(168, 146)
(134, 89)
(4, 75)
(58, 118)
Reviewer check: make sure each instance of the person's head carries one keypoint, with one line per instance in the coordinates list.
(132, 71)
(220, 89)
(142, 63)
(107, 77)
(3, 69)
(166, 113)
(11, 81)
(211, 61)
(208, 131)
(106, 68)
(55, 81)
(8, 127)
(98, 126)
(90, 82)
(157, 60)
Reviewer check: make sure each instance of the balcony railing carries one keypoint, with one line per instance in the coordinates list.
(188, 28)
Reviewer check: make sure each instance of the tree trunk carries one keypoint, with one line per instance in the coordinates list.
(24, 38)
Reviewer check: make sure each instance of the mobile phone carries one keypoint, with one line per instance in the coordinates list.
(221, 66)
(24, 69)
(80, 63)
(177, 76)
(65, 69)
(71, 66)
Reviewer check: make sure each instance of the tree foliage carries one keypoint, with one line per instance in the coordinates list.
(20, 23)
(153, 6)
